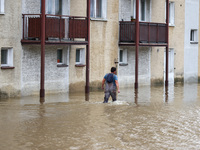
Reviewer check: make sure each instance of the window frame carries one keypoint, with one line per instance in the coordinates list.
(2, 7)
(193, 36)
(93, 11)
(60, 62)
(51, 7)
(81, 56)
(142, 12)
(64, 62)
(9, 62)
(133, 10)
(171, 13)
(124, 57)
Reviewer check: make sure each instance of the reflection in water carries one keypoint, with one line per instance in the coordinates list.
(42, 100)
(190, 92)
(136, 96)
(147, 118)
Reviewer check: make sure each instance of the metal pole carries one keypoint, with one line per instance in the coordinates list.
(137, 43)
(42, 91)
(167, 36)
(87, 87)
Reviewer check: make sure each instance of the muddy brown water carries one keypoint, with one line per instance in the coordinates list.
(152, 118)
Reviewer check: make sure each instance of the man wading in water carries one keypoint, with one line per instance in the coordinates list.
(111, 84)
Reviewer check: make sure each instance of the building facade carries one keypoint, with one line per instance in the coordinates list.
(10, 29)
(111, 40)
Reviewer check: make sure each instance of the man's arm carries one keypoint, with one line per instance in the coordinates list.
(117, 84)
(103, 81)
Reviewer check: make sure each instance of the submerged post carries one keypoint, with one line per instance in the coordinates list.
(137, 44)
(167, 38)
(87, 87)
(42, 91)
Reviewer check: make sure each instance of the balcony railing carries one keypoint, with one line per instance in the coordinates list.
(57, 28)
(150, 33)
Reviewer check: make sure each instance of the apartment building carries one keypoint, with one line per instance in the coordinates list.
(183, 42)
(10, 46)
(81, 45)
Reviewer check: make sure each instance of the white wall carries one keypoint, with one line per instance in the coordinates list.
(126, 74)
(56, 78)
(191, 50)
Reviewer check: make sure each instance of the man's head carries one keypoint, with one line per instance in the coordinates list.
(113, 70)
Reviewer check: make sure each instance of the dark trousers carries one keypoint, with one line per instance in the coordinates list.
(110, 90)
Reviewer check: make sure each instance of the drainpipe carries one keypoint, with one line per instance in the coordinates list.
(42, 91)
(137, 43)
(167, 37)
(87, 87)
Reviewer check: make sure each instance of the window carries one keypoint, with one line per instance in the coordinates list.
(98, 9)
(61, 57)
(54, 7)
(171, 13)
(58, 7)
(142, 10)
(2, 7)
(193, 36)
(123, 57)
(49, 7)
(80, 56)
(7, 57)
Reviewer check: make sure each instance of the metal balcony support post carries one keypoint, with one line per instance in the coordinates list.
(42, 91)
(87, 87)
(137, 43)
(167, 37)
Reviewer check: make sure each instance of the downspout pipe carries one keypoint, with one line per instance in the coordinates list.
(167, 39)
(42, 90)
(137, 43)
(87, 87)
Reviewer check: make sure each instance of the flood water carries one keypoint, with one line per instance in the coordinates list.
(152, 118)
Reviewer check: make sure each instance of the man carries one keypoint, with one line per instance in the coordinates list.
(111, 83)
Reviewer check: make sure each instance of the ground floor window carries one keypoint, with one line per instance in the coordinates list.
(123, 57)
(80, 56)
(7, 57)
(61, 57)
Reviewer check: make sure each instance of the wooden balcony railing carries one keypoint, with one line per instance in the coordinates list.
(61, 28)
(150, 33)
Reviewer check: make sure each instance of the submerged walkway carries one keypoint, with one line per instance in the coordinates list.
(152, 119)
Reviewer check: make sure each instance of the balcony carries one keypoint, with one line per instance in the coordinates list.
(59, 29)
(150, 34)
